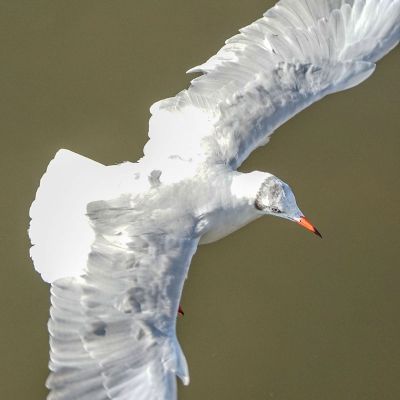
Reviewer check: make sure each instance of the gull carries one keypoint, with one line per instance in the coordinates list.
(115, 242)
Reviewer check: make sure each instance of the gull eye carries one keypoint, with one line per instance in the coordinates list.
(276, 210)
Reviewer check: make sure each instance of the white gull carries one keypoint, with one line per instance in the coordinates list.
(116, 242)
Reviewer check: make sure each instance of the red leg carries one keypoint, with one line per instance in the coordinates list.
(180, 311)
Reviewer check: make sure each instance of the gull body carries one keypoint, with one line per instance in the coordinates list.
(116, 242)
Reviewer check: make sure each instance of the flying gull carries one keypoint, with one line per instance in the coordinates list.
(116, 242)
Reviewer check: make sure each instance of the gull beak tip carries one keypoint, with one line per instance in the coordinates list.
(305, 223)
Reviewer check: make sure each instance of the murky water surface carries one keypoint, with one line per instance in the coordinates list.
(272, 312)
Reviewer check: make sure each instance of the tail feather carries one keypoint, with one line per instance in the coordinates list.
(59, 230)
(58, 221)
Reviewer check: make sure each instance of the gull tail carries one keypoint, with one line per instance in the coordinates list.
(59, 230)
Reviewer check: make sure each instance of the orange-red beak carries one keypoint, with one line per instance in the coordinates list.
(305, 223)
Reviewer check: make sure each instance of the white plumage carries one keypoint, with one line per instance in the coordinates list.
(299, 52)
(116, 242)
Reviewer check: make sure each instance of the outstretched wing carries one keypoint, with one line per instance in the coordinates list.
(112, 330)
(300, 51)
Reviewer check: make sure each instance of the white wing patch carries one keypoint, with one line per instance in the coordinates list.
(300, 51)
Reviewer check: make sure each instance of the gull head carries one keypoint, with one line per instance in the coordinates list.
(275, 197)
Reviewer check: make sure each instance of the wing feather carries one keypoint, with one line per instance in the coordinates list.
(299, 52)
(112, 329)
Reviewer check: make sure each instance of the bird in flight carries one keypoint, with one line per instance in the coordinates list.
(116, 242)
